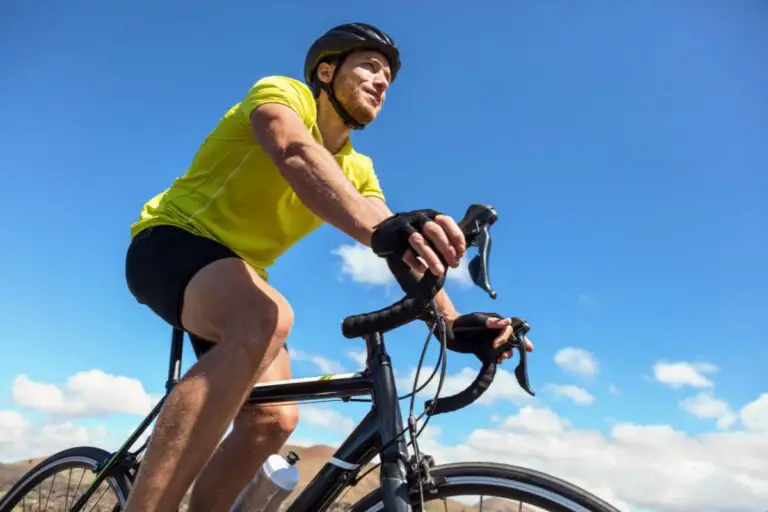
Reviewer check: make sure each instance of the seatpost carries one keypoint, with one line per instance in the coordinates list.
(174, 365)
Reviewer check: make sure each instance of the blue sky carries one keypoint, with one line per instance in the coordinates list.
(624, 146)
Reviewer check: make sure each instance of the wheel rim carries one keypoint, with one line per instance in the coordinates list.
(60, 483)
(513, 494)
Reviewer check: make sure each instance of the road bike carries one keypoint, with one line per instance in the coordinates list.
(408, 481)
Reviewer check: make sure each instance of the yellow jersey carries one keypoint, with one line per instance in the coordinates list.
(234, 193)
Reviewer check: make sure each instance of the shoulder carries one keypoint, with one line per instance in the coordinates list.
(284, 83)
(283, 90)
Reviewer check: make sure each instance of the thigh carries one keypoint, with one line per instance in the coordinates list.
(202, 346)
(160, 262)
(227, 300)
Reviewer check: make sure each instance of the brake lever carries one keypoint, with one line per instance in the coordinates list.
(478, 266)
(521, 370)
(476, 227)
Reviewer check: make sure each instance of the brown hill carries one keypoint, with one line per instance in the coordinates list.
(312, 460)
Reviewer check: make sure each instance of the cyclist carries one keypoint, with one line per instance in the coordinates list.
(278, 164)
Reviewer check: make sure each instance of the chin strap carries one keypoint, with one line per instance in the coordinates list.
(335, 103)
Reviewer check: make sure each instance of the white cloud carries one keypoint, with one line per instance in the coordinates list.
(326, 418)
(359, 357)
(325, 365)
(576, 360)
(363, 266)
(754, 416)
(87, 393)
(705, 405)
(460, 274)
(504, 389)
(679, 374)
(648, 467)
(12, 425)
(20, 439)
(577, 395)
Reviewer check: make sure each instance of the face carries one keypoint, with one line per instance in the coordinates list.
(361, 83)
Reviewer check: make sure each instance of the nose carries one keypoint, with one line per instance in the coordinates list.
(380, 82)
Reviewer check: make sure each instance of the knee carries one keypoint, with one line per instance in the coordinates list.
(261, 322)
(286, 421)
(276, 320)
(273, 422)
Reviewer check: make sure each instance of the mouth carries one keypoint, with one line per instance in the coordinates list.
(375, 97)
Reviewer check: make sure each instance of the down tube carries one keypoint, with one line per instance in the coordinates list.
(358, 449)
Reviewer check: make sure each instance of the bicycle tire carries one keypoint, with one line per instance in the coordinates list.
(78, 457)
(500, 481)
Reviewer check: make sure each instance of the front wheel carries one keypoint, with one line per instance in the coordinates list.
(57, 482)
(497, 487)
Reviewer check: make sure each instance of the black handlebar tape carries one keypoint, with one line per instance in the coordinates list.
(405, 277)
(383, 320)
(465, 397)
(401, 312)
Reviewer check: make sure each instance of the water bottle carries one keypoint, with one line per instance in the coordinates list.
(276, 479)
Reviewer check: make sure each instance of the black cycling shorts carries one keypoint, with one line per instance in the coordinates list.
(160, 262)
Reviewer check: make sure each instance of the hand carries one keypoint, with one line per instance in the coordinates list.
(407, 235)
(483, 334)
(447, 238)
(505, 327)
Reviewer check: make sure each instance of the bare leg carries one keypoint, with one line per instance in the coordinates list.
(258, 432)
(226, 302)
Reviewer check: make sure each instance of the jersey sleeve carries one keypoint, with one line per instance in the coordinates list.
(281, 90)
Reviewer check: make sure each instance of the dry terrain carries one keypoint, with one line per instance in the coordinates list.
(54, 494)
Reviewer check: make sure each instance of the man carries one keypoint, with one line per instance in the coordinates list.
(277, 165)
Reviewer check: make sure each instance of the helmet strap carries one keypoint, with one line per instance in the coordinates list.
(345, 116)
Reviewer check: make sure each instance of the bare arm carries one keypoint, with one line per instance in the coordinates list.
(313, 173)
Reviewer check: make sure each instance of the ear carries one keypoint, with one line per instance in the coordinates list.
(325, 72)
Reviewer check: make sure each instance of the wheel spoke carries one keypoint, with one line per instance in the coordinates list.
(50, 491)
(74, 494)
(100, 496)
(69, 481)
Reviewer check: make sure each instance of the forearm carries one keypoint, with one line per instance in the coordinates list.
(446, 307)
(316, 178)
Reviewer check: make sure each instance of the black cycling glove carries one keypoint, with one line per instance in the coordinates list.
(470, 335)
(390, 237)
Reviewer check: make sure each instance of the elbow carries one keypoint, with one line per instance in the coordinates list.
(295, 152)
(294, 155)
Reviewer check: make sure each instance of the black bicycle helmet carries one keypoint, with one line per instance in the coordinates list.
(337, 44)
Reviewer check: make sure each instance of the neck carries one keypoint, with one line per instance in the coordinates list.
(333, 130)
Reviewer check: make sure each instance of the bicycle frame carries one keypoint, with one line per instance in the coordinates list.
(377, 433)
